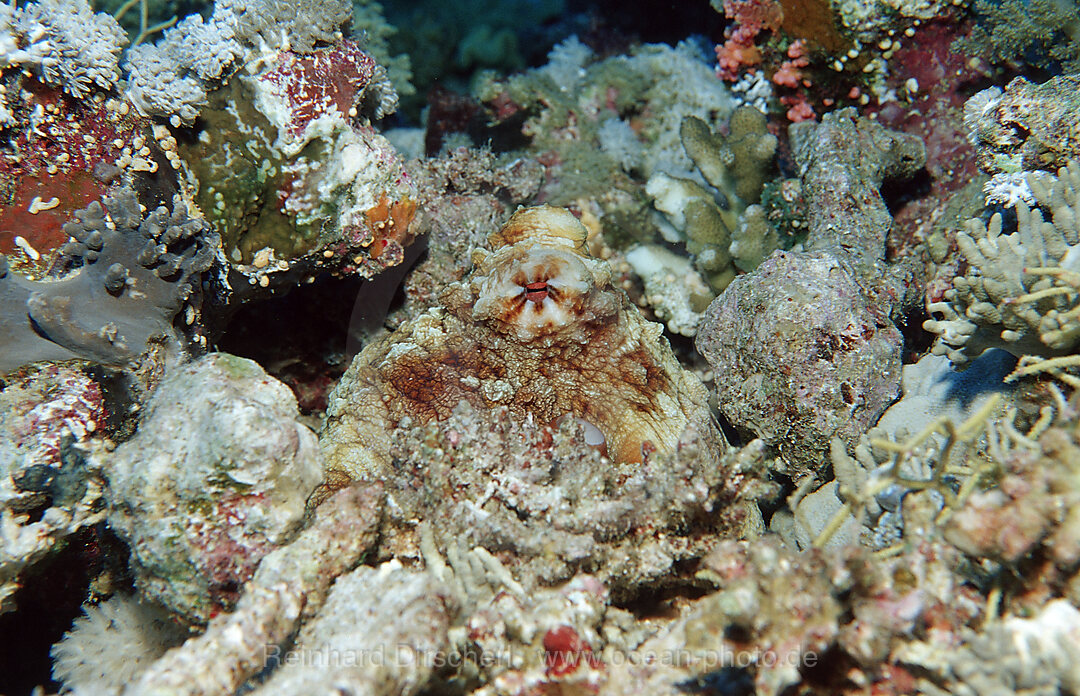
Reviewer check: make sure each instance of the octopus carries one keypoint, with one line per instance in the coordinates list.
(539, 328)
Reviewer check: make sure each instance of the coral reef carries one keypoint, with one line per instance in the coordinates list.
(577, 99)
(397, 638)
(173, 77)
(1016, 655)
(673, 288)
(291, 178)
(722, 237)
(1041, 33)
(61, 154)
(1019, 292)
(538, 328)
(803, 348)
(843, 162)
(375, 34)
(216, 477)
(800, 355)
(46, 492)
(1025, 127)
(520, 486)
(130, 275)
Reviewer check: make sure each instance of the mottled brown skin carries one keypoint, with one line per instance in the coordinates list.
(538, 328)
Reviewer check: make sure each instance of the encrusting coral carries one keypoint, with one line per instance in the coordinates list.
(538, 327)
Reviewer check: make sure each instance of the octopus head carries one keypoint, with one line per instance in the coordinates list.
(540, 281)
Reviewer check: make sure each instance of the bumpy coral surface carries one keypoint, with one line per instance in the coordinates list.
(216, 477)
(800, 355)
(538, 328)
(128, 274)
(1025, 126)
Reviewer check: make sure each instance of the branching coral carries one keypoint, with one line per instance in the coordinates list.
(719, 234)
(539, 328)
(1022, 288)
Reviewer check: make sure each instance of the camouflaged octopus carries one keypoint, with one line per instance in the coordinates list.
(538, 327)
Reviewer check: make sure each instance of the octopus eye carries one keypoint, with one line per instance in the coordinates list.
(536, 292)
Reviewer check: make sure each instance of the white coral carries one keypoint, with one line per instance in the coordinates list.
(1022, 291)
(111, 644)
(64, 42)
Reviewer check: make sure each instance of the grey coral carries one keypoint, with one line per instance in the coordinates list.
(127, 278)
